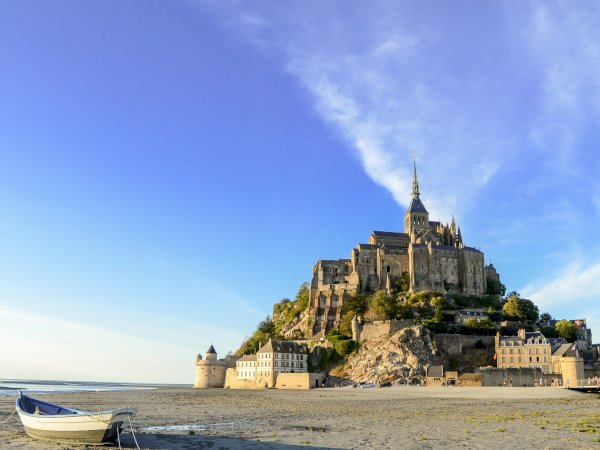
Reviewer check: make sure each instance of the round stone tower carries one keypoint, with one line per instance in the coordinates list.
(210, 372)
(571, 368)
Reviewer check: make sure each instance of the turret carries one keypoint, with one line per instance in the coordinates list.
(211, 354)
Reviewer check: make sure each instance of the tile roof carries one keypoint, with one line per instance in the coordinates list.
(390, 234)
(563, 350)
(282, 347)
(367, 247)
(435, 371)
(470, 249)
(416, 205)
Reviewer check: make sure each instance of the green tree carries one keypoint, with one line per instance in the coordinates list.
(471, 323)
(532, 312)
(520, 310)
(513, 309)
(346, 323)
(440, 304)
(356, 303)
(384, 304)
(266, 327)
(513, 294)
(566, 330)
(545, 317)
(549, 332)
(302, 297)
(494, 287)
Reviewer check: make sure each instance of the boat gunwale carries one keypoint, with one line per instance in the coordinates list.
(75, 412)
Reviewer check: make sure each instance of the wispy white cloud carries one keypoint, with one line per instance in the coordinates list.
(466, 95)
(574, 288)
(506, 94)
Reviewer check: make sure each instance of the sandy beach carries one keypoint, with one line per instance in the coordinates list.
(343, 418)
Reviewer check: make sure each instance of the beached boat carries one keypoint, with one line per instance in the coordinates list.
(47, 421)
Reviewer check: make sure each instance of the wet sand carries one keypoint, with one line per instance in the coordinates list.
(343, 418)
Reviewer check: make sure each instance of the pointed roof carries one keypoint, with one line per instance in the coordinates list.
(211, 349)
(416, 205)
(415, 191)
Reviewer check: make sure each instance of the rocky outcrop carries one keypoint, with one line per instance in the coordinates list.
(295, 328)
(401, 357)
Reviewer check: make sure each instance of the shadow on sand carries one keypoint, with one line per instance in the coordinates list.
(183, 441)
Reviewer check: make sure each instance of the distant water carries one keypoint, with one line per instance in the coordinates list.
(9, 387)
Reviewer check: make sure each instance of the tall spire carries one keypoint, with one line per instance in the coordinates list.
(415, 191)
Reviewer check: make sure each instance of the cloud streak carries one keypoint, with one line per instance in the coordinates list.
(467, 93)
(490, 94)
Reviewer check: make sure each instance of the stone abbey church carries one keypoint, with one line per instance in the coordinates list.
(432, 254)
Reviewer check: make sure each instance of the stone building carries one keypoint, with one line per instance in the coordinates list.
(210, 371)
(432, 254)
(246, 367)
(524, 350)
(271, 360)
(464, 315)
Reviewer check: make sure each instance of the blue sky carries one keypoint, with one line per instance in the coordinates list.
(170, 169)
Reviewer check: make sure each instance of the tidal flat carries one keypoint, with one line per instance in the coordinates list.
(339, 418)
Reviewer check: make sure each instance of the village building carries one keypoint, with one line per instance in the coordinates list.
(432, 255)
(272, 359)
(527, 349)
(436, 376)
(246, 367)
(532, 350)
(460, 317)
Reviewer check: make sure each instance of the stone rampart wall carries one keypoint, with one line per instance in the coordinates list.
(378, 328)
(453, 344)
(299, 381)
(524, 376)
(232, 382)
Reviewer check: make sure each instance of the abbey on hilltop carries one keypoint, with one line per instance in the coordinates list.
(432, 254)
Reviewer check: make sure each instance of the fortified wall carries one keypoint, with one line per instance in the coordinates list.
(520, 376)
(455, 344)
(210, 371)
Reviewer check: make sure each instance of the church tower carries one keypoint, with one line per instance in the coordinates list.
(416, 217)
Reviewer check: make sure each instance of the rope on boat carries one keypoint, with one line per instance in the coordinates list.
(132, 433)
(12, 414)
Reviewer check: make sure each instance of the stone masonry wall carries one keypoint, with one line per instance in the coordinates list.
(453, 344)
(378, 328)
(521, 376)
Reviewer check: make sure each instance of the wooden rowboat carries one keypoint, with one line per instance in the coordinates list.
(44, 420)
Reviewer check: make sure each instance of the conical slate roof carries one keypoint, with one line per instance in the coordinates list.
(211, 349)
(416, 205)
